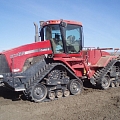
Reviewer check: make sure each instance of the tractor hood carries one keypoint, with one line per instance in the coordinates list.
(16, 57)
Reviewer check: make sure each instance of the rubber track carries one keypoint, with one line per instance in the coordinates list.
(98, 76)
(40, 75)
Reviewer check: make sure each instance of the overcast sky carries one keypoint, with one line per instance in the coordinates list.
(100, 19)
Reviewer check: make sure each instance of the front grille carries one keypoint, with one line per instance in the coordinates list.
(4, 68)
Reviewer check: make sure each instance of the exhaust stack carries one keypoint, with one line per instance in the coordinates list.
(36, 33)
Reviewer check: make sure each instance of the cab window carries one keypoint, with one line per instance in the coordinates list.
(52, 32)
(73, 38)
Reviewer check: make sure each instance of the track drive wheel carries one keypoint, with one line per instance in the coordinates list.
(105, 82)
(38, 93)
(51, 95)
(75, 87)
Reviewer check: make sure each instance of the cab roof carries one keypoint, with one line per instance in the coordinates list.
(58, 22)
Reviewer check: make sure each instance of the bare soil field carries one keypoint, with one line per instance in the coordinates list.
(92, 104)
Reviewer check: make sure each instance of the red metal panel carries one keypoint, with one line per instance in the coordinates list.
(75, 64)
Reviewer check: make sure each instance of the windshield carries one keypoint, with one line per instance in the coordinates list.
(72, 38)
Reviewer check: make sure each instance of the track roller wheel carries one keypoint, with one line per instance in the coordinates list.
(117, 84)
(51, 95)
(112, 84)
(59, 93)
(38, 93)
(105, 83)
(75, 86)
(66, 93)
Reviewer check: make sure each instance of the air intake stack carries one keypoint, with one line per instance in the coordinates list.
(36, 33)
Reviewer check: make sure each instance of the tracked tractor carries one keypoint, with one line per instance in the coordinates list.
(57, 63)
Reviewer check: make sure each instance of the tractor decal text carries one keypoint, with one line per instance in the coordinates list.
(29, 52)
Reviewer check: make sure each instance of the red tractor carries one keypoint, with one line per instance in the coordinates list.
(57, 65)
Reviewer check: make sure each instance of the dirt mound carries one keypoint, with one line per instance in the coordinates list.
(92, 104)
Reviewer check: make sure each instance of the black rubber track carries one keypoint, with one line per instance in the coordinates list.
(40, 75)
(100, 74)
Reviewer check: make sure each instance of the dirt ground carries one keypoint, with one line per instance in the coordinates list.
(92, 104)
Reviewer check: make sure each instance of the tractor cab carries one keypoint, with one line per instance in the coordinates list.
(65, 36)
